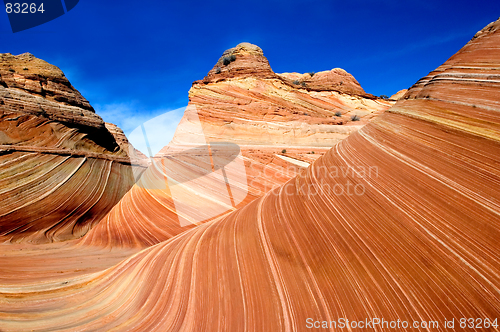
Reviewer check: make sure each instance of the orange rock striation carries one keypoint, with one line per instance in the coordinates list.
(280, 127)
(242, 100)
(61, 169)
(398, 95)
(418, 242)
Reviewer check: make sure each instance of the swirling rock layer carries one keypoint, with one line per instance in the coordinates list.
(147, 215)
(279, 126)
(417, 242)
(398, 95)
(61, 169)
(242, 100)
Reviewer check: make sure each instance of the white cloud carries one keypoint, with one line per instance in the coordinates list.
(128, 118)
(151, 136)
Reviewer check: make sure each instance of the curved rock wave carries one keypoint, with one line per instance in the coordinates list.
(280, 127)
(61, 169)
(417, 241)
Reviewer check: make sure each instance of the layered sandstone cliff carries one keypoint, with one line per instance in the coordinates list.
(242, 100)
(61, 169)
(418, 243)
(280, 123)
(398, 95)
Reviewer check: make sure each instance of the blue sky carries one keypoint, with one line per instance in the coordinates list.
(134, 60)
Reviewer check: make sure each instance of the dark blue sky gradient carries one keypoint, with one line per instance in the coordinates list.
(142, 56)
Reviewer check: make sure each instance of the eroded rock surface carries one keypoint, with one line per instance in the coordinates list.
(398, 95)
(280, 128)
(419, 244)
(61, 169)
(243, 101)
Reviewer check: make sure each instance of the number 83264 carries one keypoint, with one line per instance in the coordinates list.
(23, 8)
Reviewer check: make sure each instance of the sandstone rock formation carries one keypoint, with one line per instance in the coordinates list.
(243, 101)
(417, 242)
(420, 243)
(33, 75)
(280, 127)
(336, 79)
(398, 95)
(61, 169)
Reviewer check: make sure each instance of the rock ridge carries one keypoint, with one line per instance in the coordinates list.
(248, 61)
